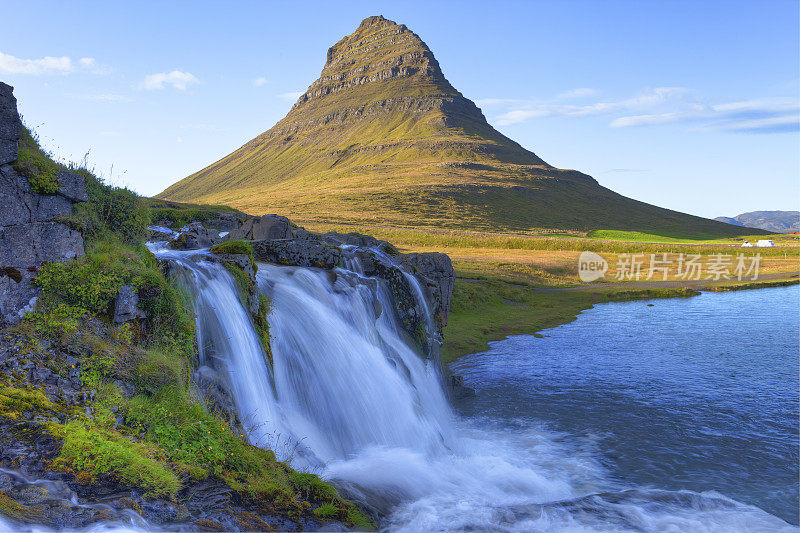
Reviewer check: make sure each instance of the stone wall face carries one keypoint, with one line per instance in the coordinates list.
(30, 233)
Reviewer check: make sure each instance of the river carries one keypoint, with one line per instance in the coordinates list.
(696, 394)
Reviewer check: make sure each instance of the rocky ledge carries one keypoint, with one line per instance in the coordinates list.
(276, 240)
(30, 231)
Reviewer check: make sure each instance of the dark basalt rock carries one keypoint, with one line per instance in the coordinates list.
(306, 253)
(378, 259)
(30, 233)
(195, 236)
(267, 227)
(435, 271)
(125, 305)
(10, 124)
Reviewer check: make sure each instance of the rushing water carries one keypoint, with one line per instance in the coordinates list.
(606, 425)
(698, 394)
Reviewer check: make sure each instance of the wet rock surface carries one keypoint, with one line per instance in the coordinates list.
(41, 497)
(194, 236)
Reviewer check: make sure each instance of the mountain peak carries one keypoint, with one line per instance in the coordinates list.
(374, 20)
(382, 136)
(377, 51)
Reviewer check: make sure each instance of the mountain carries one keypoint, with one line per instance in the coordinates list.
(772, 221)
(383, 137)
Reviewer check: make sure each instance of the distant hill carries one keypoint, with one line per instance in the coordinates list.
(383, 138)
(772, 221)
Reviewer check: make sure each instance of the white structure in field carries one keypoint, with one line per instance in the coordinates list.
(765, 243)
(747, 244)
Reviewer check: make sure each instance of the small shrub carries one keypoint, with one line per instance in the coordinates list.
(327, 510)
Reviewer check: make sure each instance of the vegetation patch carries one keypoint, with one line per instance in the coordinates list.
(177, 214)
(37, 165)
(233, 247)
(92, 454)
(262, 324)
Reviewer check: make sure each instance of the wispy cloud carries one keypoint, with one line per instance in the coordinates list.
(574, 94)
(260, 81)
(177, 79)
(659, 106)
(48, 65)
(291, 96)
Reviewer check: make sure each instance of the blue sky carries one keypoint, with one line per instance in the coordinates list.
(688, 105)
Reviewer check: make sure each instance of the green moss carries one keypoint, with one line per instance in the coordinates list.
(56, 321)
(233, 247)
(16, 510)
(243, 281)
(161, 368)
(16, 400)
(262, 324)
(359, 521)
(93, 454)
(37, 165)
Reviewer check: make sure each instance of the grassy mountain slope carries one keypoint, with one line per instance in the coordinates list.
(382, 137)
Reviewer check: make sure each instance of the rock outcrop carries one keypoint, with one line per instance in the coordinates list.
(30, 233)
(266, 227)
(194, 236)
(276, 240)
(435, 271)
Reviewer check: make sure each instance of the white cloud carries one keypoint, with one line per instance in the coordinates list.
(658, 106)
(645, 99)
(291, 96)
(178, 79)
(573, 94)
(789, 122)
(260, 81)
(645, 120)
(47, 65)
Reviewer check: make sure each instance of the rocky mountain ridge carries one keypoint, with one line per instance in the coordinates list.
(774, 221)
(383, 136)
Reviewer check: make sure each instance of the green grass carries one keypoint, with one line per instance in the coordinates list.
(178, 214)
(490, 306)
(93, 453)
(636, 236)
(35, 164)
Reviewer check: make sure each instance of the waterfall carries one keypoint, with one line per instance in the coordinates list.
(344, 376)
(348, 397)
(228, 346)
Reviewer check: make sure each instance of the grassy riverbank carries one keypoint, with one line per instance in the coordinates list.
(511, 284)
(487, 307)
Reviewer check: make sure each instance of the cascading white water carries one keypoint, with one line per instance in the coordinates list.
(364, 410)
(345, 378)
(229, 346)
